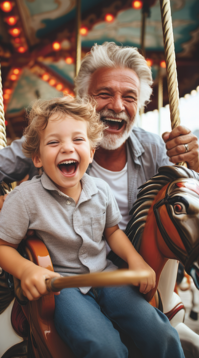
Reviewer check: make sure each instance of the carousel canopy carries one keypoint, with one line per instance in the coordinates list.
(38, 46)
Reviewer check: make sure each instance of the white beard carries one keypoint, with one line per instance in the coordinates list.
(114, 141)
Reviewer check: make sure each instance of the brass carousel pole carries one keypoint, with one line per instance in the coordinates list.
(3, 141)
(170, 64)
(78, 38)
(145, 13)
(160, 96)
(144, 16)
(4, 188)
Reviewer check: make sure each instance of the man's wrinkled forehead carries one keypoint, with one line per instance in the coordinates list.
(111, 79)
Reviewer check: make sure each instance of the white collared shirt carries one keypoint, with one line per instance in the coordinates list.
(73, 233)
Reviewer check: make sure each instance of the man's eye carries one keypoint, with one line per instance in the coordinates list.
(104, 94)
(130, 98)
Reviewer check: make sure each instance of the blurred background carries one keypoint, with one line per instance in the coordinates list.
(38, 52)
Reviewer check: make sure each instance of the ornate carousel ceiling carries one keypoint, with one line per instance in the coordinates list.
(37, 46)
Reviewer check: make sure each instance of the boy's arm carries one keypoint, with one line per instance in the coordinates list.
(121, 245)
(32, 276)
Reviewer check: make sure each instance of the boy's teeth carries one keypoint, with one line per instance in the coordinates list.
(68, 162)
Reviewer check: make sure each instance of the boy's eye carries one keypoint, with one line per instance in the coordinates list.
(52, 142)
(79, 139)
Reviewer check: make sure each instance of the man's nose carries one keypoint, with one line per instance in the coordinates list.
(116, 104)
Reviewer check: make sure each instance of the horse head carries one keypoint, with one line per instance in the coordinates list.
(165, 218)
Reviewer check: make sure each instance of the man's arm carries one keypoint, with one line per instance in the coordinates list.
(14, 165)
(121, 245)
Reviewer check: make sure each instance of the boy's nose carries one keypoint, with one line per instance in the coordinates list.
(67, 147)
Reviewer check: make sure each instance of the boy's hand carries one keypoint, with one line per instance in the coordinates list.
(33, 281)
(149, 284)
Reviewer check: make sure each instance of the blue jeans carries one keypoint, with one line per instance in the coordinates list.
(85, 323)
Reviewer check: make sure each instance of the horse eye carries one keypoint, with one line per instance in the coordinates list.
(179, 208)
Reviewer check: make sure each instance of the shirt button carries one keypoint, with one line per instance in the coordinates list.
(68, 202)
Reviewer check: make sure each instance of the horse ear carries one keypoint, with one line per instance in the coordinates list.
(194, 273)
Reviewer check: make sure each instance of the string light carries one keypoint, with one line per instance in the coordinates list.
(45, 77)
(83, 31)
(69, 60)
(66, 91)
(8, 90)
(137, 5)
(17, 40)
(6, 96)
(16, 71)
(21, 49)
(193, 92)
(6, 123)
(186, 96)
(52, 82)
(11, 20)
(13, 77)
(6, 6)
(59, 86)
(56, 46)
(163, 64)
(109, 18)
(149, 62)
(15, 32)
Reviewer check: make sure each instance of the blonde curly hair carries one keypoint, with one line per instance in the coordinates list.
(79, 109)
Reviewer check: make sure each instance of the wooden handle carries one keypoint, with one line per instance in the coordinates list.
(99, 279)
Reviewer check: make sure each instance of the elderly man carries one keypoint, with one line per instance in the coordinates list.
(119, 79)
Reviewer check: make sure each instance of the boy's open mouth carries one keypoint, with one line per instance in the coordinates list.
(68, 167)
(113, 123)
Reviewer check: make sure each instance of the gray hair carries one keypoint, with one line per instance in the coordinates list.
(111, 55)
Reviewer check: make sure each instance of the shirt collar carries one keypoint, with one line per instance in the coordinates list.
(89, 187)
(136, 148)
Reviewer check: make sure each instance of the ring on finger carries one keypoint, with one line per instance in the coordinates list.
(186, 148)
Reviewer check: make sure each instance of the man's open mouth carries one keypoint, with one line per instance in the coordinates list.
(113, 123)
(68, 167)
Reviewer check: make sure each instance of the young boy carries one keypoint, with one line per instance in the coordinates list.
(73, 213)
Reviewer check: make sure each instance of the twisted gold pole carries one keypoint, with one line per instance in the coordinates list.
(4, 188)
(172, 82)
(170, 62)
(78, 38)
(2, 118)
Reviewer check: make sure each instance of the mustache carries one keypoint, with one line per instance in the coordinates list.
(111, 114)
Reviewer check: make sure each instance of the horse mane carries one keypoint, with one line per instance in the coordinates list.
(147, 194)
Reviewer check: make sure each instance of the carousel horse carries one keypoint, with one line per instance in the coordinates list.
(164, 225)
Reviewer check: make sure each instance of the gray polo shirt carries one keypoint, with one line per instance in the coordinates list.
(73, 233)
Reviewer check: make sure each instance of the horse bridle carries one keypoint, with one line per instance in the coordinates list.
(192, 253)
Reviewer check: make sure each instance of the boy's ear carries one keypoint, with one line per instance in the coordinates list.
(37, 161)
(92, 155)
